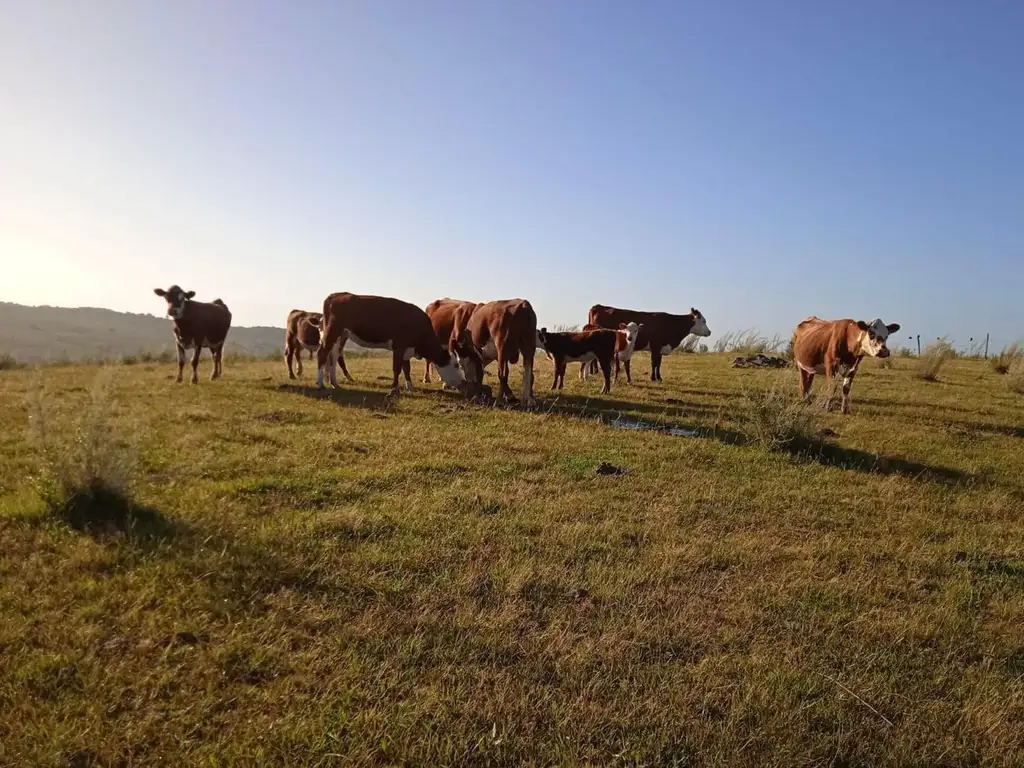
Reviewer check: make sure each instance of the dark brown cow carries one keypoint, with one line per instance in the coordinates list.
(197, 324)
(835, 348)
(442, 314)
(302, 332)
(596, 345)
(661, 333)
(625, 345)
(502, 331)
(377, 322)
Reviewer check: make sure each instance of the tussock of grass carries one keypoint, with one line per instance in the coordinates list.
(934, 356)
(774, 417)
(87, 472)
(1007, 356)
(1015, 376)
(8, 363)
(750, 342)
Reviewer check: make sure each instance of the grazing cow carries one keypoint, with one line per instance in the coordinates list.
(302, 332)
(377, 322)
(596, 345)
(835, 348)
(197, 324)
(625, 345)
(661, 332)
(443, 314)
(502, 331)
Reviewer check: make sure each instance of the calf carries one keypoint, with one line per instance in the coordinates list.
(596, 345)
(835, 348)
(625, 344)
(302, 332)
(377, 322)
(661, 333)
(502, 331)
(443, 315)
(197, 324)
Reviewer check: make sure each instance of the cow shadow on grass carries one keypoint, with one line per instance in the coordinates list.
(609, 409)
(371, 399)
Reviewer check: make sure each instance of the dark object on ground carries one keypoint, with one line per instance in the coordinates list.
(604, 468)
(760, 361)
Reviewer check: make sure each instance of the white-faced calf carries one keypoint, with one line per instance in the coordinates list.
(625, 345)
(597, 345)
(302, 332)
(835, 348)
(197, 324)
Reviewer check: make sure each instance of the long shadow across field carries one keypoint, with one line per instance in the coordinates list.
(371, 399)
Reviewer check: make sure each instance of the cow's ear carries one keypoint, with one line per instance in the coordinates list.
(622, 326)
(862, 325)
(893, 327)
(544, 331)
(159, 291)
(694, 311)
(190, 294)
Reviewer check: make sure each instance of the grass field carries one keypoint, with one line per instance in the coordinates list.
(356, 579)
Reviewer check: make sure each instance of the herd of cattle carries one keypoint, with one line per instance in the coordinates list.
(458, 339)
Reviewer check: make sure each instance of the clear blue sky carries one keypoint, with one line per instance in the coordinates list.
(760, 160)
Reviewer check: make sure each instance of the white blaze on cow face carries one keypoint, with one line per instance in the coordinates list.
(700, 325)
(873, 337)
(451, 374)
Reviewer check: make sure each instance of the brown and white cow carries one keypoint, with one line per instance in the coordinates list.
(625, 345)
(444, 314)
(835, 348)
(596, 345)
(503, 331)
(302, 332)
(378, 322)
(197, 324)
(661, 333)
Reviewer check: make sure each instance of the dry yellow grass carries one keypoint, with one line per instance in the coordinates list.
(354, 579)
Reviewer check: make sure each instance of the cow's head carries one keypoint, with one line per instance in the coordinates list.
(874, 335)
(176, 299)
(542, 339)
(468, 365)
(632, 331)
(700, 325)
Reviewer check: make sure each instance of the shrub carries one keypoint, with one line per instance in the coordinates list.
(1006, 358)
(690, 344)
(702, 349)
(903, 352)
(933, 358)
(8, 363)
(129, 360)
(86, 473)
(776, 418)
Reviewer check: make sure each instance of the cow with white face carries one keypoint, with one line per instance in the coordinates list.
(835, 348)
(625, 345)
(197, 324)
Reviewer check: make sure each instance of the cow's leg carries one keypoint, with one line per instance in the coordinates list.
(298, 359)
(339, 359)
(407, 372)
(583, 371)
(629, 377)
(289, 353)
(558, 370)
(655, 364)
(196, 350)
(426, 373)
(528, 352)
(218, 353)
(806, 380)
(325, 356)
(617, 365)
(606, 369)
(181, 362)
(848, 384)
(397, 363)
(830, 380)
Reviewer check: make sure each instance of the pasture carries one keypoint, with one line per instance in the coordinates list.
(349, 578)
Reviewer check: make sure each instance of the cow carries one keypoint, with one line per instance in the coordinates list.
(302, 332)
(378, 322)
(836, 348)
(443, 314)
(661, 333)
(596, 345)
(503, 331)
(625, 345)
(197, 324)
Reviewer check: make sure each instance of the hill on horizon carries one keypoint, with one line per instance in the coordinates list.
(54, 334)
